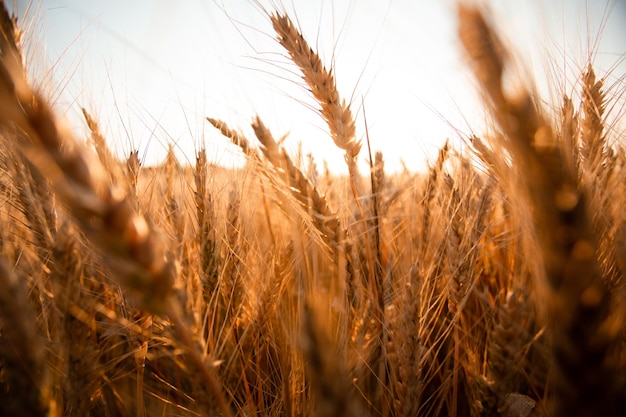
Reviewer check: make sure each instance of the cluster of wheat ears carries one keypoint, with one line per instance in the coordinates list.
(489, 285)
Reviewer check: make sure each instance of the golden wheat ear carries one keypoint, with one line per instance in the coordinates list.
(111, 165)
(325, 220)
(133, 248)
(335, 111)
(585, 381)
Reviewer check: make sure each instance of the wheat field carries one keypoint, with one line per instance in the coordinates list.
(489, 285)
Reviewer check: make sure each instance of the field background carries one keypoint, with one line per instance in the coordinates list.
(488, 284)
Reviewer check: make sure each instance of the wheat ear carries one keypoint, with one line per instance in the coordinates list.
(100, 208)
(108, 161)
(132, 248)
(306, 193)
(321, 82)
(585, 382)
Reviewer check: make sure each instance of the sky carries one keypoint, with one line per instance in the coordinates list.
(151, 71)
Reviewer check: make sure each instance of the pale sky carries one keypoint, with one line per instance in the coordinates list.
(151, 71)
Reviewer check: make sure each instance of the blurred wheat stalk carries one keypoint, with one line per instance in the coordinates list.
(274, 290)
